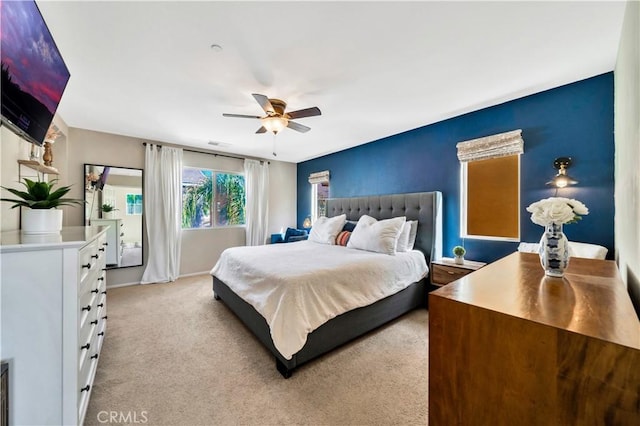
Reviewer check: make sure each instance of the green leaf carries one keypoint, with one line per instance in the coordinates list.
(59, 192)
(39, 195)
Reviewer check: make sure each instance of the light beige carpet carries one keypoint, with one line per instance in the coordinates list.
(175, 356)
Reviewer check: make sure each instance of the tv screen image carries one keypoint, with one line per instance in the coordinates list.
(34, 74)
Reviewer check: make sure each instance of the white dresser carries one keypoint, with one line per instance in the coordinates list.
(53, 316)
(114, 239)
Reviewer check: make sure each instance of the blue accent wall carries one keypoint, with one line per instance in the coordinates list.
(575, 120)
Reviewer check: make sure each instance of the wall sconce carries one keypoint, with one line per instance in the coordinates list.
(562, 179)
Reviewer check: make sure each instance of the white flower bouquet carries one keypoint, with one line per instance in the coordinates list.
(557, 210)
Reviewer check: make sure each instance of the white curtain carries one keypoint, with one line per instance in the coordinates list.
(257, 206)
(163, 213)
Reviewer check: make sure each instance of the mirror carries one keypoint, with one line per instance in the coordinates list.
(113, 197)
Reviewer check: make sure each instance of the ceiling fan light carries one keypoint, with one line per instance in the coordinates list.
(274, 124)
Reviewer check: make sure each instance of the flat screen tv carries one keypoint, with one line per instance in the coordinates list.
(34, 75)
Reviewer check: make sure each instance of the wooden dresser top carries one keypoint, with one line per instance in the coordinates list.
(591, 299)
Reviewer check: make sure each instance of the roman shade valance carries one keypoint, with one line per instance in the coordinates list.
(494, 146)
(319, 177)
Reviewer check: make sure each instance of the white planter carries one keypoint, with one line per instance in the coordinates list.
(108, 215)
(41, 221)
(459, 260)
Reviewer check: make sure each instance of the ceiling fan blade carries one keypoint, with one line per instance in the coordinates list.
(240, 115)
(264, 102)
(262, 130)
(308, 112)
(298, 127)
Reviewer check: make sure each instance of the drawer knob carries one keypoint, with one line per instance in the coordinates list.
(94, 356)
(105, 244)
(86, 308)
(101, 279)
(88, 266)
(104, 292)
(87, 346)
(95, 290)
(101, 249)
(85, 389)
(94, 256)
(450, 272)
(100, 305)
(104, 317)
(101, 333)
(94, 322)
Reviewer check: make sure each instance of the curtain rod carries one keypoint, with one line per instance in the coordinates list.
(211, 153)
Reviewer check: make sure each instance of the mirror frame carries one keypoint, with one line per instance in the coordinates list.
(87, 220)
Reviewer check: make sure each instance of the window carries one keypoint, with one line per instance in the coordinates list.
(212, 199)
(134, 204)
(319, 194)
(490, 187)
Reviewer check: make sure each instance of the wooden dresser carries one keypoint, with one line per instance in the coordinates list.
(53, 316)
(508, 345)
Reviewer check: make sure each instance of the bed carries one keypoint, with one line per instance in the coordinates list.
(423, 207)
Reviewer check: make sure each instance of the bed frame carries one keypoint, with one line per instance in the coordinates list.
(426, 207)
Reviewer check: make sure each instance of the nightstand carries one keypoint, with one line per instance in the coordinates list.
(445, 270)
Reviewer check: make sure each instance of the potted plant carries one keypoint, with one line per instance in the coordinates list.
(458, 252)
(40, 214)
(107, 211)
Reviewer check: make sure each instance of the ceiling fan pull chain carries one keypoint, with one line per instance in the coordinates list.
(274, 145)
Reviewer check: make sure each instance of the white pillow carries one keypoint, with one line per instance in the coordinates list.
(325, 229)
(379, 236)
(408, 236)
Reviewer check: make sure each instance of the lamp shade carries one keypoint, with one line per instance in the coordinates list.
(562, 179)
(274, 124)
(307, 223)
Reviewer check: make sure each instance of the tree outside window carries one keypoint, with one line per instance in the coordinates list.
(200, 195)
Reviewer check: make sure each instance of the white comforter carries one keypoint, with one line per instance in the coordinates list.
(299, 286)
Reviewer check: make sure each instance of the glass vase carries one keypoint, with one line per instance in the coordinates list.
(554, 250)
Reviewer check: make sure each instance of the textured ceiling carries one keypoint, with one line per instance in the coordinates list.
(147, 70)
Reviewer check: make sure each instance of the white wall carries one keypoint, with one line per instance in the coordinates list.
(200, 249)
(627, 141)
(14, 148)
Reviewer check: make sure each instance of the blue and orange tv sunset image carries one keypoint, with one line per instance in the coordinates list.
(34, 74)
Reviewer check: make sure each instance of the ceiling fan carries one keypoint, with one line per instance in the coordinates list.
(276, 119)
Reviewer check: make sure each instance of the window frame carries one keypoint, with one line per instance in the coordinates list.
(213, 211)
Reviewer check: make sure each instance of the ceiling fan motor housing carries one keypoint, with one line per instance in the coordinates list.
(278, 106)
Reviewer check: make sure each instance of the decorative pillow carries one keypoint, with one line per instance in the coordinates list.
(343, 238)
(408, 236)
(349, 225)
(379, 236)
(292, 232)
(325, 229)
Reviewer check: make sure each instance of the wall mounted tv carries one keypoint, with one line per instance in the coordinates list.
(34, 75)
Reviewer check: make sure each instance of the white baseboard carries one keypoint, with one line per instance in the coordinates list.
(123, 285)
(138, 282)
(195, 273)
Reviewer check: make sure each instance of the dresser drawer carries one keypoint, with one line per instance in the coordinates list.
(90, 261)
(443, 274)
(85, 376)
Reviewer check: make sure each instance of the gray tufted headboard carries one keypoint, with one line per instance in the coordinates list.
(425, 207)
